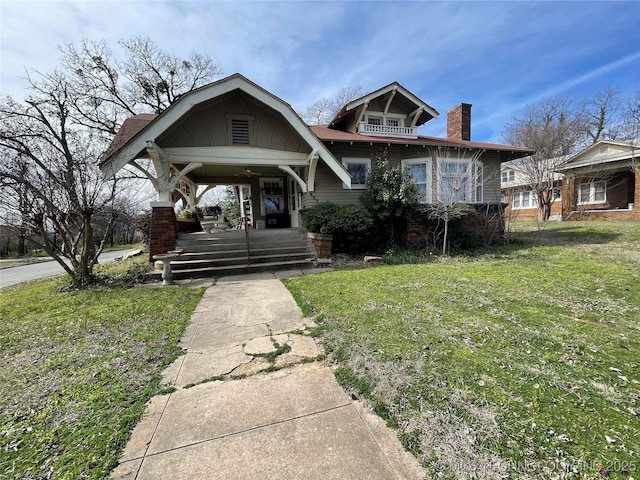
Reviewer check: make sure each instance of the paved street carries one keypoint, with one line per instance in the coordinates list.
(35, 271)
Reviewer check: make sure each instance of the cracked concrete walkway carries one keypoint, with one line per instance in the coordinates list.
(294, 423)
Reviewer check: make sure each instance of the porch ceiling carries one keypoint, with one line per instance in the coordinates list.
(229, 174)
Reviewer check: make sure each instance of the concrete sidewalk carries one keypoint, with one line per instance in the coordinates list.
(294, 423)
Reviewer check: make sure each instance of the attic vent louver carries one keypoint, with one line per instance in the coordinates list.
(240, 131)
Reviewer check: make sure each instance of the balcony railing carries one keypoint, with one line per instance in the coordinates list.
(388, 131)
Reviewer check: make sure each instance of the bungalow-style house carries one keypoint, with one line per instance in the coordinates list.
(234, 132)
(602, 182)
(598, 183)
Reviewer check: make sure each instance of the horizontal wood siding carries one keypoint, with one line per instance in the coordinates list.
(491, 177)
(209, 126)
(328, 188)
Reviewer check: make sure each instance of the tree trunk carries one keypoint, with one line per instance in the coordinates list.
(446, 238)
(22, 251)
(545, 200)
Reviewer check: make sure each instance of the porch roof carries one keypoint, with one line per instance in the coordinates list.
(138, 131)
(591, 158)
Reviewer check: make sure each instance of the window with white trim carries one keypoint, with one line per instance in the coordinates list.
(477, 178)
(453, 181)
(508, 175)
(420, 171)
(592, 192)
(359, 169)
(380, 119)
(459, 181)
(524, 200)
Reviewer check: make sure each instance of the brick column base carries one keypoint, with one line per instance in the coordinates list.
(322, 242)
(164, 229)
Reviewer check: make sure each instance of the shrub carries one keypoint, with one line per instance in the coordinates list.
(347, 223)
(330, 217)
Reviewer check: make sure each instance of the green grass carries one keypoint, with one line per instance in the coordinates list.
(37, 256)
(521, 362)
(77, 368)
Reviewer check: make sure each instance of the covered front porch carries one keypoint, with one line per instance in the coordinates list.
(231, 132)
(609, 194)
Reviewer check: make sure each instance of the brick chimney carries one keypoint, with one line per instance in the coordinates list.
(459, 122)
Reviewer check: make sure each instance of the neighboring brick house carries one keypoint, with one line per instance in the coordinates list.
(603, 182)
(520, 198)
(598, 183)
(233, 132)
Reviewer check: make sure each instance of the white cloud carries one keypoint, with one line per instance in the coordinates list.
(497, 55)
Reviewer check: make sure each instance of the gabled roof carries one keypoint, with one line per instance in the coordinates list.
(129, 129)
(393, 88)
(130, 144)
(591, 156)
(507, 152)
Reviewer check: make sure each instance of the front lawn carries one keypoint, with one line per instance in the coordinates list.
(520, 363)
(77, 368)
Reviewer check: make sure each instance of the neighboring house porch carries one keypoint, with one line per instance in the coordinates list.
(602, 183)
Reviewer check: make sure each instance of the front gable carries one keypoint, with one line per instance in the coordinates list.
(391, 111)
(229, 122)
(602, 155)
(234, 119)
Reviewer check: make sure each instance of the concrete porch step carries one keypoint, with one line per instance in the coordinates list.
(202, 246)
(225, 270)
(272, 259)
(225, 253)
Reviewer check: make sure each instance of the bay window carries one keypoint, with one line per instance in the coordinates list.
(457, 180)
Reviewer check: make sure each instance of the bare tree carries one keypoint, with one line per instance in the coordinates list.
(51, 143)
(631, 116)
(49, 173)
(601, 116)
(457, 177)
(108, 91)
(325, 109)
(318, 113)
(553, 128)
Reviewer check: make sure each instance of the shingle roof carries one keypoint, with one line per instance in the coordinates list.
(133, 125)
(128, 130)
(327, 134)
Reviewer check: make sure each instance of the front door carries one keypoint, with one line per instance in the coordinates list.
(273, 202)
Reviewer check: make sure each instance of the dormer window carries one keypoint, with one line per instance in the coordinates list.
(508, 176)
(386, 125)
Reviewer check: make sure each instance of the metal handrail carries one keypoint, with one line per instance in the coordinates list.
(246, 237)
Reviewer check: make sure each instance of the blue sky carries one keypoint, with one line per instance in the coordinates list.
(498, 56)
